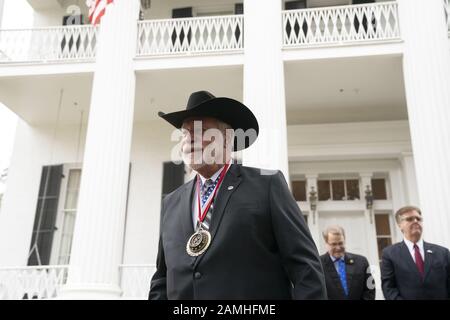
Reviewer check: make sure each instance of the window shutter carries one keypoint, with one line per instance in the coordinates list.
(46, 212)
(185, 35)
(362, 1)
(69, 42)
(182, 13)
(71, 20)
(294, 5)
(239, 8)
(173, 177)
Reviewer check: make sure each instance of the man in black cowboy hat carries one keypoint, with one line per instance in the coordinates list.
(231, 232)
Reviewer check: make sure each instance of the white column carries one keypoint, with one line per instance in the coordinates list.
(398, 199)
(371, 232)
(264, 84)
(409, 174)
(427, 81)
(99, 229)
(313, 217)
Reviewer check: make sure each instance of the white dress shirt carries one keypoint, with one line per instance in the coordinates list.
(334, 259)
(195, 200)
(410, 246)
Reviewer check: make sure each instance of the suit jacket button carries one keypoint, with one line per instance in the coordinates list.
(197, 275)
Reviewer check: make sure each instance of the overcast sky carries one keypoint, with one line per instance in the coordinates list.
(12, 10)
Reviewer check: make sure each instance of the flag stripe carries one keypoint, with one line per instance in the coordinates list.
(97, 9)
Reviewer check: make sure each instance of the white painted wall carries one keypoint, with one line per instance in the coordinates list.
(162, 9)
(54, 16)
(151, 146)
(12, 10)
(348, 133)
(32, 150)
(2, 3)
(364, 140)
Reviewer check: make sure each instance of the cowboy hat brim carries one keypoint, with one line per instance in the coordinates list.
(228, 110)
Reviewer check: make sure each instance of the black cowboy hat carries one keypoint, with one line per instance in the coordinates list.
(230, 111)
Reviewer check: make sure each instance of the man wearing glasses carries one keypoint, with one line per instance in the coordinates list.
(414, 269)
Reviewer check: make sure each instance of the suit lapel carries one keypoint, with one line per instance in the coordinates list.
(406, 256)
(331, 269)
(349, 270)
(428, 253)
(229, 185)
(186, 208)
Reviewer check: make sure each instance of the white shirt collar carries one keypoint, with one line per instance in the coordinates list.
(410, 244)
(213, 177)
(334, 259)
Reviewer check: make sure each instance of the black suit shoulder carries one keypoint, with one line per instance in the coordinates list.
(325, 258)
(436, 248)
(392, 249)
(258, 173)
(357, 257)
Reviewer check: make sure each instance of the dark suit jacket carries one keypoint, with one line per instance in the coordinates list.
(358, 278)
(261, 247)
(401, 279)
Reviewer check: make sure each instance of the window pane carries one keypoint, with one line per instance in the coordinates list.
(299, 190)
(338, 190)
(73, 186)
(379, 189)
(383, 243)
(74, 179)
(382, 225)
(66, 239)
(352, 189)
(324, 190)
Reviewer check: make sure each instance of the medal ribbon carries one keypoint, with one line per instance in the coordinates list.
(202, 213)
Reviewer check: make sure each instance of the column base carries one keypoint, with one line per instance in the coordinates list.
(90, 291)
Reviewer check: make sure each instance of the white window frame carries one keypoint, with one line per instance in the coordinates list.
(344, 178)
(387, 184)
(391, 227)
(57, 238)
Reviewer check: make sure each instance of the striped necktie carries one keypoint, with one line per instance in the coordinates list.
(206, 191)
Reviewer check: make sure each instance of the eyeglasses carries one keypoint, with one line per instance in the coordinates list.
(411, 219)
(335, 245)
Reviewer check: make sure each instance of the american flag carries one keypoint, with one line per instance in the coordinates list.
(97, 9)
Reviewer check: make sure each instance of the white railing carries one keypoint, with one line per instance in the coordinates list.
(48, 44)
(135, 280)
(36, 282)
(190, 35)
(341, 24)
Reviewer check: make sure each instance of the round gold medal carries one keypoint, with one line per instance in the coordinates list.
(198, 242)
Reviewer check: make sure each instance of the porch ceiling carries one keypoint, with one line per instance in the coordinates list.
(45, 4)
(35, 99)
(345, 90)
(168, 90)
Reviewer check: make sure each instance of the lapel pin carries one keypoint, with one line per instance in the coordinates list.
(429, 251)
(230, 188)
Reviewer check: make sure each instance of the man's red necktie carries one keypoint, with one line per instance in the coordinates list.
(419, 260)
